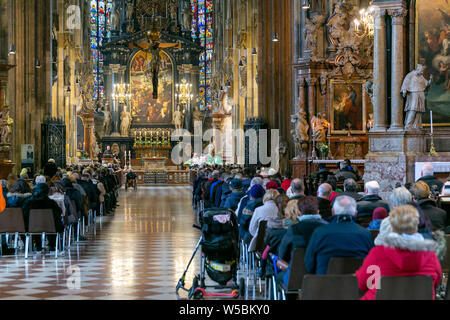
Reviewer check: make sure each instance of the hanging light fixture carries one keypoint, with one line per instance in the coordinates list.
(12, 49)
(38, 64)
(275, 37)
(254, 52)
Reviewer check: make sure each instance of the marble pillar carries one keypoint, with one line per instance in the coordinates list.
(379, 72)
(398, 67)
(311, 96)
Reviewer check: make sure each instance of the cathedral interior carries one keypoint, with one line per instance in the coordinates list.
(124, 83)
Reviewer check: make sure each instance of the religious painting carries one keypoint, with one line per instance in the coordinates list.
(145, 110)
(433, 51)
(348, 107)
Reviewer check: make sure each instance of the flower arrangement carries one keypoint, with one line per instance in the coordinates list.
(323, 148)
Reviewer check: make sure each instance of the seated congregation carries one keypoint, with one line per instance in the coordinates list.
(316, 243)
(74, 195)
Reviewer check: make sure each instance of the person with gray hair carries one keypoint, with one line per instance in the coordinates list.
(298, 189)
(342, 237)
(350, 189)
(371, 200)
(429, 178)
(323, 196)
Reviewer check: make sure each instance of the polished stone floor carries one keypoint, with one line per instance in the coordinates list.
(139, 253)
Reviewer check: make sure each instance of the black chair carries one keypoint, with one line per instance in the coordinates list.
(405, 288)
(41, 222)
(330, 287)
(11, 221)
(344, 265)
(297, 271)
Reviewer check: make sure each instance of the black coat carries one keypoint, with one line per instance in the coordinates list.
(50, 169)
(91, 191)
(324, 208)
(297, 236)
(367, 204)
(437, 217)
(431, 181)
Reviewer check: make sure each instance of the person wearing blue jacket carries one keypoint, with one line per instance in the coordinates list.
(256, 200)
(342, 237)
(236, 195)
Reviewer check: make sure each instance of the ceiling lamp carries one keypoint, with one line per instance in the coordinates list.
(275, 37)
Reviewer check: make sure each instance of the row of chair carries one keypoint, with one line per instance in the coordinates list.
(41, 222)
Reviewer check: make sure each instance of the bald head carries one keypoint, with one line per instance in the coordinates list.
(427, 170)
(325, 191)
(297, 186)
(344, 205)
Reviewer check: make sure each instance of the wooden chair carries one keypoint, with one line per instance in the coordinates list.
(11, 221)
(405, 288)
(330, 287)
(41, 222)
(344, 265)
(297, 271)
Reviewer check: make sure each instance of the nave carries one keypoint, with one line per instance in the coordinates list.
(139, 253)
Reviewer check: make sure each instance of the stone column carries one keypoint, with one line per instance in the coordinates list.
(379, 72)
(398, 67)
(301, 92)
(311, 96)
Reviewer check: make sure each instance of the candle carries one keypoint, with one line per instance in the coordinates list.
(431, 119)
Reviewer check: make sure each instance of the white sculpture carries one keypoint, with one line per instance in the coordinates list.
(178, 119)
(413, 88)
(107, 122)
(319, 126)
(125, 123)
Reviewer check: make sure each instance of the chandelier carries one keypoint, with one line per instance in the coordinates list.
(365, 25)
(121, 93)
(183, 93)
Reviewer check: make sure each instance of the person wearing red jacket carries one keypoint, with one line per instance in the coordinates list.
(403, 252)
(2, 200)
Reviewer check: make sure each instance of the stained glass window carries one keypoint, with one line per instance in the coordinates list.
(203, 26)
(100, 33)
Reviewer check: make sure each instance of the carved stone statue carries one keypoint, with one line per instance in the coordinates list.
(125, 124)
(187, 18)
(5, 126)
(368, 86)
(243, 76)
(198, 118)
(115, 18)
(312, 30)
(178, 119)
(319, 126)
(107, 122)
(301, 125)
(413, 88)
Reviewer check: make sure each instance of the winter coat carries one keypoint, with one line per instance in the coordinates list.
(298, 235)
(241, 206)
(400, 256)
(276, 229)
(432, 181)
(324, 208)
(233, 200)
(2, 200)
(222, 194)
(91, 191)
(16, 200)
(375, 225)
(50, 169)
(437, 216)
(244, 221)
(266, 212)
(367, 204)
(40, 200)
(341, 238)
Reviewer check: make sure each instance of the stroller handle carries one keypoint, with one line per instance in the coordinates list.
(196, 227)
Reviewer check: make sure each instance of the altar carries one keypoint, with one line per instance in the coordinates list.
(154, 163)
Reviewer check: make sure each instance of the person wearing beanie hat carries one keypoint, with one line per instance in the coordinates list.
(272, 185)
(378, 215)
(257, 193)
(236, 195)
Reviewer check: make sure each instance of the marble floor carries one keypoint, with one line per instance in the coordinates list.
(139, 253)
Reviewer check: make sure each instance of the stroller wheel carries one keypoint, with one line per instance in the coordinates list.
(198, 295)
(242, 287)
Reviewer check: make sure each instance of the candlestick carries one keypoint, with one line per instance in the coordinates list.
(431, 120)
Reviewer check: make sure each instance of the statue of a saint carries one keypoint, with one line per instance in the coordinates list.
(312, 29)
(178, 119)
(5, 125)
(319, 126)
(107, 122)
(198, 118)
(301, 125)
(187, 18)
(125, 124)
(413, 88)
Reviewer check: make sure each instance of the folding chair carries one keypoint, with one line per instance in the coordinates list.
(330, 287)
(41, 223)
(344, 265)
(11, 221)
(405, 288)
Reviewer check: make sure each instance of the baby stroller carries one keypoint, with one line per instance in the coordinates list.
(220, 255)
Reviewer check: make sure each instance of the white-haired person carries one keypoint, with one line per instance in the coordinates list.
(427, 176)
(371, 200)
(403, 252)
(342, 237)
(400, 197)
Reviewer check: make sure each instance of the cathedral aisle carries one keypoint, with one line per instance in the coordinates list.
(139, 253)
